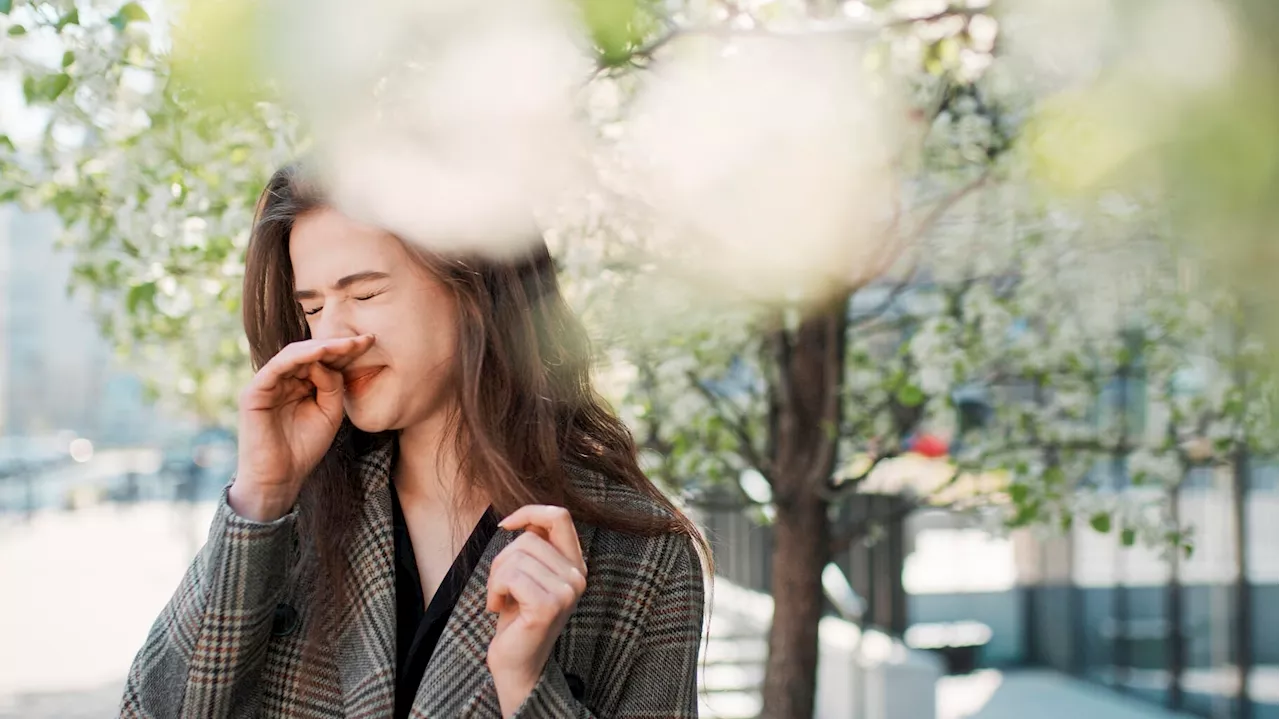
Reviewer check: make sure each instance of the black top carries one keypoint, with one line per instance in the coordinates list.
(418, 627)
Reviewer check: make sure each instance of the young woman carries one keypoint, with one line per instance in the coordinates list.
(433, 514)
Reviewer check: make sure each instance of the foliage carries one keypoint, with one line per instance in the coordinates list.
(988, 285)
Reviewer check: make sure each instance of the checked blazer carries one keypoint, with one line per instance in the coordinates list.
(230, 643)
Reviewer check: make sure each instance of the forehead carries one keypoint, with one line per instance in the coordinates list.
(326, 245)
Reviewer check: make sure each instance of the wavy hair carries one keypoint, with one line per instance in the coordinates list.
(525, 409)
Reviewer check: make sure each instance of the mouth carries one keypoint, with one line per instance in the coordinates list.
(356, 381)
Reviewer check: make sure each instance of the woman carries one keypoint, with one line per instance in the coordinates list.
(433, 515)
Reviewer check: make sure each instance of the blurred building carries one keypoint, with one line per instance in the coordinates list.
(56, 370)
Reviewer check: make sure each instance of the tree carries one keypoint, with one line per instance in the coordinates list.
(935, 271)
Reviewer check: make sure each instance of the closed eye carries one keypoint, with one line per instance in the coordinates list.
(361, 298)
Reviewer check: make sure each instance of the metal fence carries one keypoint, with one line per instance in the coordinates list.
(742, 546)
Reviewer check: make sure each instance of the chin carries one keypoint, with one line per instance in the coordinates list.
(366, 419)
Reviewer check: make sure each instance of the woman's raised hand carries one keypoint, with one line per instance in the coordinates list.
(289, 415)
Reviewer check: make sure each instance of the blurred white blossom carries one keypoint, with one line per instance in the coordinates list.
(768, 162)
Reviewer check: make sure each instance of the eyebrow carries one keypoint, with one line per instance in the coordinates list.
(343, 283)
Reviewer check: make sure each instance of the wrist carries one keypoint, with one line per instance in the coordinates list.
(513, 687)
(251, 501)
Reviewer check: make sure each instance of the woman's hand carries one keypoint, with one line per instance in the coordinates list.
(289, 415)
(534, 585)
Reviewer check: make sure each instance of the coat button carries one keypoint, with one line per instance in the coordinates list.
(285, 621)
(576, 686)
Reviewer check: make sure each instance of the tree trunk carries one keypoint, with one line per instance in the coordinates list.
(799, 555)
(804, 423)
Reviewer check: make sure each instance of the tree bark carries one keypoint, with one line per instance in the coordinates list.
(804, 418)
(799, 555)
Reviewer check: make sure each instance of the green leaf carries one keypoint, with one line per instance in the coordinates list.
(614, 26)
(1101, 522)
(1026, 515)
(5, 6)
(56, 84)
(910, 395)
(1054, 475)
(44, 89)
(133, 12)
(1018, 493)
(7, 143)
(68, 57)
(130, 12)
(71, 18)
(144, 293)
(1128, 537)
(17, 30)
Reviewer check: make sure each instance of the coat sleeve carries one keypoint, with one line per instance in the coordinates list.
(663, 682)
(205, 651)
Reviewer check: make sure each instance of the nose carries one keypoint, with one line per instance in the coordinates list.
(334, 321)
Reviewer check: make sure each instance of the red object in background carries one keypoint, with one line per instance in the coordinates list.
(929, 445)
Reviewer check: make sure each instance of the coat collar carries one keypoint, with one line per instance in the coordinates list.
(457, 680)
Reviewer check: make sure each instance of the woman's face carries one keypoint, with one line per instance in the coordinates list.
(353, 279)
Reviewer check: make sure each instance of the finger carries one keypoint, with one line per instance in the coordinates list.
(555, 523)
(329, 389)
(286, 391)
(342, 358)
(532, 598)
(551, 581)
(291, 360)
(496, 595)
(543, 551)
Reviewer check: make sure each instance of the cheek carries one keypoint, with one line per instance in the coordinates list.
(418, 346)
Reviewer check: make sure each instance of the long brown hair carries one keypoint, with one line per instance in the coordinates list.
(525, 406)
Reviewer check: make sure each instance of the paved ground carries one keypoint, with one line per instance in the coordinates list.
(80, 592)
(991, 694)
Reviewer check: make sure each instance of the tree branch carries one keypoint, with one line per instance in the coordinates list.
(836, 319)
(647, 51)
(737, 424)
(844, 537)
(886, 304)
(941, 207)
(838, 489)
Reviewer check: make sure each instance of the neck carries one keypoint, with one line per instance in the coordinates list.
(427, 466)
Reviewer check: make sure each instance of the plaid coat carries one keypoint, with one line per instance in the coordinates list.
(230, 641)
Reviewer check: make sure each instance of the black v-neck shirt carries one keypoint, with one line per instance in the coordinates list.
(418, 625)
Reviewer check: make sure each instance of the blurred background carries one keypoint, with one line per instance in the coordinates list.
(952, 322)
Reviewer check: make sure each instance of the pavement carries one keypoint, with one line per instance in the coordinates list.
(991, 694)
(81, 590)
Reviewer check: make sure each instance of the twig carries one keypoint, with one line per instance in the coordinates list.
(864, 29)
(832, 491)
(737, 423)
(885, 305)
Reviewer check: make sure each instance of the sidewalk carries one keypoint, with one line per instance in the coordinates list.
(81, 590)
(990, 694)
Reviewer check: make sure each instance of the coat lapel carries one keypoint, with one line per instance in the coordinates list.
(366, 635)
